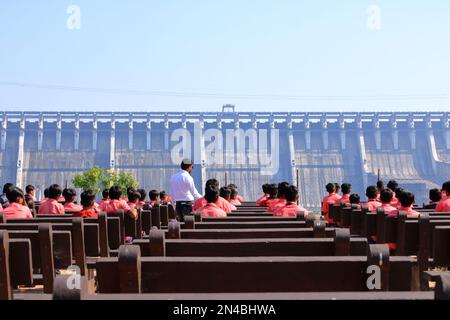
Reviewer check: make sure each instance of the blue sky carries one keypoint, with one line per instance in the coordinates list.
(197, 55)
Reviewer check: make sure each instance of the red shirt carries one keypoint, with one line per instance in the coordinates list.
(51, 206)
(17, 211)
(113, 205)
(101, 202)
(72, 207)
(211, 210)
(289, 210)
(221, 203)
(345, 198)
(87, 213)
(330, 198)
(388, 209)
(443, 205)
(262, 200)
(409, 211)
(276, 205)
(235, 202)
(373, 205)
(240, 198)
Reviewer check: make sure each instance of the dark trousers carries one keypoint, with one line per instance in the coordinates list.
(183, 208)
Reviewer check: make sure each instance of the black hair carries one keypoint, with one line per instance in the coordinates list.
(330, 187)
(143, 194)
(446, 187)
(29, 201)
(346, 188)
(265, 188)
(87, 198)
(435, 195)
(14, 194)
(386, 195)
(406, 199)
(105, 193)
(54, 191)
(212, 182)
(273, 190)
(46, 192)
(133, 196)
(371, 192)
(115, 192)
(162, 194)
(355, 198)
(398, 191)
(7, 187)
(153, 195)
(211, 194)
(337, 186)
(291, 194)
(69, 194)
(282, 187)
(233, 192)
(380, 185)
(130, 190)
(29, 188)
(185, 166)
(392, 184)
(225, 192)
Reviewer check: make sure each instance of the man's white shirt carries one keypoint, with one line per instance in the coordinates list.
(182, 187)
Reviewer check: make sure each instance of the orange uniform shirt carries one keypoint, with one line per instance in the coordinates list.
(443, 205)
(51, 206)
(113, 205)
(87, 213)
(235, 202)
(262, 200)
(212, 210)
(221, 203)
(289, 210)
(345, 198)
(17, 211)
(72, 207)
(373, 205)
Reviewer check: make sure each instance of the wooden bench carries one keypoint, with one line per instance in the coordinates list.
(339, 245)
(131, 273)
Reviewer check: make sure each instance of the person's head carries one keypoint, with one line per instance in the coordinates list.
(30, 189)
(46, 192)
(282, 186)
(225, 193)
(143, 194)
(386, 195)
(105, 194)
(15, 195)
(163, 195)
(380, 185)
(115, 192)
(392, 184)
(337, 187)
(212, 182)
(355, 199)
(134, 196)
(29, 202)
(233, 193)
(7, 187)
(273, 190)
(265, 188)
(435, 195)
(54, 191)
(346, 188)
(153, 195)
(330, 187)
(87, 199)
(69, 194)
(232, 185)
(371, 192)
(406, 199)
(130, 190)
(398, 191)
(211, 194)
(186, 165)
(291, 194)
(446, 187)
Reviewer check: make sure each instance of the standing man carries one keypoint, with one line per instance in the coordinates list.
(182, 189)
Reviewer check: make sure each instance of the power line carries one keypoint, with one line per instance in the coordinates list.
(135, 92)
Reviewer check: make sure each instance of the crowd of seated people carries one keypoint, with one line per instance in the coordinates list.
(280, 199)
